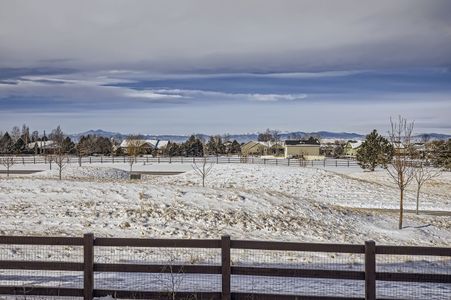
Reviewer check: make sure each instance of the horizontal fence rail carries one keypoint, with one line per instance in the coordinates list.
(148, 159)
(226, 269)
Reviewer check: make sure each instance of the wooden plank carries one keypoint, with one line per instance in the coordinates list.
(301, 273)
(256, 296)
(124, 294)
(156, 243)
(40, 291)
(414, 277)
(414, 250)
(88, 268)
(370, 270)
(226, 269)
(141, 268)
(289, 246)
(40, 265)
(41, 240)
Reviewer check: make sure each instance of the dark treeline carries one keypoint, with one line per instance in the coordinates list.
(194, 146)
(20, 141)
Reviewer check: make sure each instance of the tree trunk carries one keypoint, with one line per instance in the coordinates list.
(401, 208)
(60, 171)
(7, 171)
(418, 198)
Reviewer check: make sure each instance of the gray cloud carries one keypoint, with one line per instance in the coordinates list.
(225, 36)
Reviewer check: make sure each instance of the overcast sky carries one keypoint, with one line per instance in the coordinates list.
(178, 67)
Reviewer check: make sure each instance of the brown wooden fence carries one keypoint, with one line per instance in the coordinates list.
(369, 275)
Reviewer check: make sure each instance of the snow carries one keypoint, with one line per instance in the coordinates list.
(94, 172)
(246, 201)
(343, 205)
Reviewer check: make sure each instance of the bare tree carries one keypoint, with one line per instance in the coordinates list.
(423, 173)
(15, 134)
(134, 148)
(8, 162)
(401, 168)
(203, 169)
(172, 275)
(60, 157)
(61, 160)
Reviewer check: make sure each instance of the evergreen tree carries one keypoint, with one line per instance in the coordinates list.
(215, 145)
(440, 155)
(193, 147)
(374, 151)
(172, 149)
(235, 148)
(6, 144)
(19, 146)
(68, 146)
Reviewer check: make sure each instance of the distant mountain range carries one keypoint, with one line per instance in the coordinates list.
(242, 138)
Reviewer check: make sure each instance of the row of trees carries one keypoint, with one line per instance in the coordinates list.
(16, 141)
(400, 158)
(194, 146)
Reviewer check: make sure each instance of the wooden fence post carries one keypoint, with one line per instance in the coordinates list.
(370, 270)
(88, 266)
(225, 262)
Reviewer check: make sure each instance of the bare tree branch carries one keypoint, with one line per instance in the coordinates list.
(401, 169)
(203, 169)
(8, 162)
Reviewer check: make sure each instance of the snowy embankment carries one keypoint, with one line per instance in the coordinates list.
(245, 201)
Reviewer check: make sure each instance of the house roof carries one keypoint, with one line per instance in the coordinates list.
(354, 145)
(42, 145)
(300, 142)
(147, 143)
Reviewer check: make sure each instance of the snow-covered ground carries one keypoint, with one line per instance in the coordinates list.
(244, 201)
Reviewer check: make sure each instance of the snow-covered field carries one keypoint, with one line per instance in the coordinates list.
(244, 201)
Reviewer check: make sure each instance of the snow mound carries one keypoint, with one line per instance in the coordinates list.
(86, 172)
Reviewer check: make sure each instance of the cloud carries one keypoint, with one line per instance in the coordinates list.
(274, 97)
(225, 36)
(150, 95)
